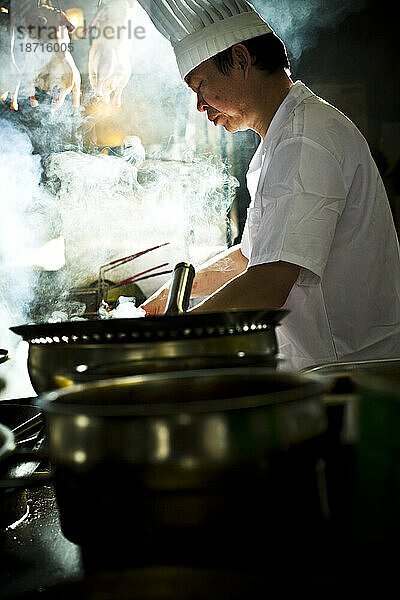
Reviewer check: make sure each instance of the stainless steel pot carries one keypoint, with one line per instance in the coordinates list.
(182, 429)
(198, 449)
(64, 353)
(61, 354)
(170, 448)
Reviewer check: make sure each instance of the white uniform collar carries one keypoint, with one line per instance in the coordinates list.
(297, 93)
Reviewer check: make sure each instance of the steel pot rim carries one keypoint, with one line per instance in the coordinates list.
(56, 401)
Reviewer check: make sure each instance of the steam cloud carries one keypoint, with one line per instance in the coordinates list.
(22, 204)
(110, 208)
(104, 207)
(299, 22)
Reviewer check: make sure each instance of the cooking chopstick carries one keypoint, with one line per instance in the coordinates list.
(134, 277)
(121, 261)
(154, 275)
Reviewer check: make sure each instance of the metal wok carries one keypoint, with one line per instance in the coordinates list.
(64, 353)
(61, 354)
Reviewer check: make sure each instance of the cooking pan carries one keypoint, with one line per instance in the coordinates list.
(74, 351)
(171, 449)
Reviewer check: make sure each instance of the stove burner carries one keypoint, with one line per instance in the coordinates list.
(13, 501)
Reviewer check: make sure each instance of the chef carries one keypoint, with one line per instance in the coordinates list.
(319, 238)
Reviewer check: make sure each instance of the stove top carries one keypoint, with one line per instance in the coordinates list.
(268, 558)
(33, 552)
(37, 559)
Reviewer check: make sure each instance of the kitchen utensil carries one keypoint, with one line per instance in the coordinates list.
(59, 353)
(63, 353)
(103, 287)
(169, 448)
(180, 288)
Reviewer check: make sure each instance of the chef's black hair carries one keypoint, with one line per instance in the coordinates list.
(268, 53)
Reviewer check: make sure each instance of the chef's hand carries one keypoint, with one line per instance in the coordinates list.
(156, 304)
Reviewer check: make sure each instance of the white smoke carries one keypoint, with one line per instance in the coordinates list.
(102, 207)
(111, 207)
(20, 174)
(298, 23)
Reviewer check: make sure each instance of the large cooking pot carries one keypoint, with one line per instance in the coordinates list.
(61, 354)
(182, 449)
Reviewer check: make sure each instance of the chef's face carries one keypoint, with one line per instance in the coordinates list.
(221, 96)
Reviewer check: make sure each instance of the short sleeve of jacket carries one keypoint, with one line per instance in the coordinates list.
(300, 197)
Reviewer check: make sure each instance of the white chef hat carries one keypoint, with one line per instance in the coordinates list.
(200, 29)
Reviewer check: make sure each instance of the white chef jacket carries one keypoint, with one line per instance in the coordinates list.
(318, 201)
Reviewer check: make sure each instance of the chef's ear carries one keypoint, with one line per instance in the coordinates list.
(241, 58)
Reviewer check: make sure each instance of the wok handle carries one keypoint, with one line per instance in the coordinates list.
(180, 289)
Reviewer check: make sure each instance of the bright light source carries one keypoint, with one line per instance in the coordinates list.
(75, 20)
(51, 256)
(75, 15)
(79, 456)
